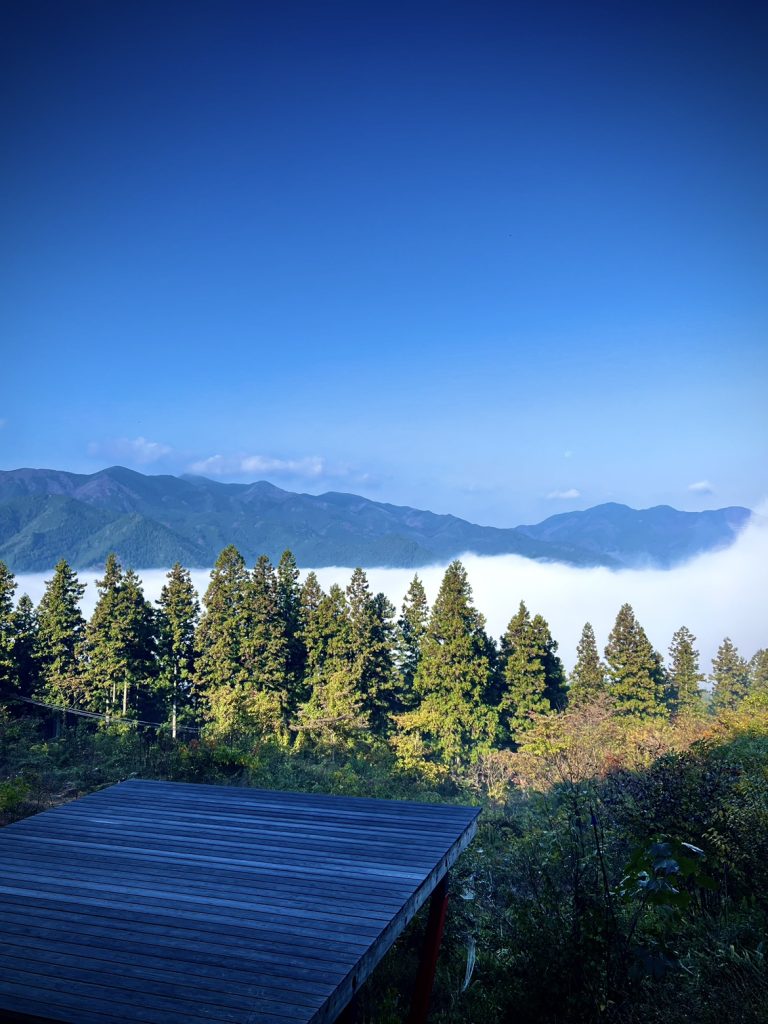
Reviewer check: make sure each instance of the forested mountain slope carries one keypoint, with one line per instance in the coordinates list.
(154, 521)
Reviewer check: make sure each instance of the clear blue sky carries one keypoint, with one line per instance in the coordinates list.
(498, 259)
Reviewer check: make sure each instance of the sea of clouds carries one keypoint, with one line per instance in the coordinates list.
(717, 594)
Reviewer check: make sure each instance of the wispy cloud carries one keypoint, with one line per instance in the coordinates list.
(3, 422)
(308, 467)
(138, 450)
(701, 487)
(568, 495)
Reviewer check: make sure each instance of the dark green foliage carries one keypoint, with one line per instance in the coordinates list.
(588, 681)
(61, 633)
(289, 608)
(371, 632)
(685, 679)
(120, 645)
(635, 673)
(221, 632)
(177, 616)
(730, 677)
(335, 710)
(452, 722)
(534, 680)
(25, 646)
(411, 630)
(265, 645)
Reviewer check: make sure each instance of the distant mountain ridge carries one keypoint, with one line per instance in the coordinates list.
(154, 521)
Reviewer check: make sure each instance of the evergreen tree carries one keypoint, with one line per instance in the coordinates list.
(334, 711)
(120, 644)
(635, 672)
(25, 646)
(684, 676)
(411, 630)
(221, 631)
(177, 616)
(370, 622)
(452, 723)
(534, 681)
(61, 633)
(289, 606)
(8, 679)
(312, 634)
(758, 672)
(222, 673)
(265, 648)
(730, 677)
(588, 679)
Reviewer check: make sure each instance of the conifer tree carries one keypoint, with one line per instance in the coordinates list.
(289, 606)
(684, 676)
(411, 630)
(221, 630)
(588, 679)
(61, 633)
(25, 646)
(265, 648)
(370, 622)
(730, 677)
(534, 681)
(177, 616)
(635, 673)
(120, 643)
(453, 722)
(334, 710)
(221, 672)
(7, 630)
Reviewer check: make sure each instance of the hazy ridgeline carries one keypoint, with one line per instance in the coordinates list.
(716, 593)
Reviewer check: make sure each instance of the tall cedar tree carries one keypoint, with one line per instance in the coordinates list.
(25, 646)
(265, 648)
(370, 621)
(8, 673)
(636, 677)
(221, 673)
(61, 633)
(289, 606)
(453, 722)
(335, 710)
(730, 677)
(685, 678)
(534, 680)
(120, 644)
(588, 680)
(411, 630)
(178, 610)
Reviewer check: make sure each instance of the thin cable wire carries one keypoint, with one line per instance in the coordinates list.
(95, 714)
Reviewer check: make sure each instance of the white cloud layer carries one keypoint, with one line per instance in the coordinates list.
(701, 487)
(137, 450)
(715, 595)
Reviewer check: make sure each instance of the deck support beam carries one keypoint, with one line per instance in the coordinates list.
(422, 993)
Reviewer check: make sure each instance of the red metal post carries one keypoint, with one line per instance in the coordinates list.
(425, 978)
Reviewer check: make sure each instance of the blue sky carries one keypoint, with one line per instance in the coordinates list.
(494, 259)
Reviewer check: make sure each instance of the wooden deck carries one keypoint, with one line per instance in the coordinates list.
(167, 902)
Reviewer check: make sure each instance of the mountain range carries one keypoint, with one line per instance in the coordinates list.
(154, 521)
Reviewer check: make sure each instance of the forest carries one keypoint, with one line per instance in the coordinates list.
(619, 873)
